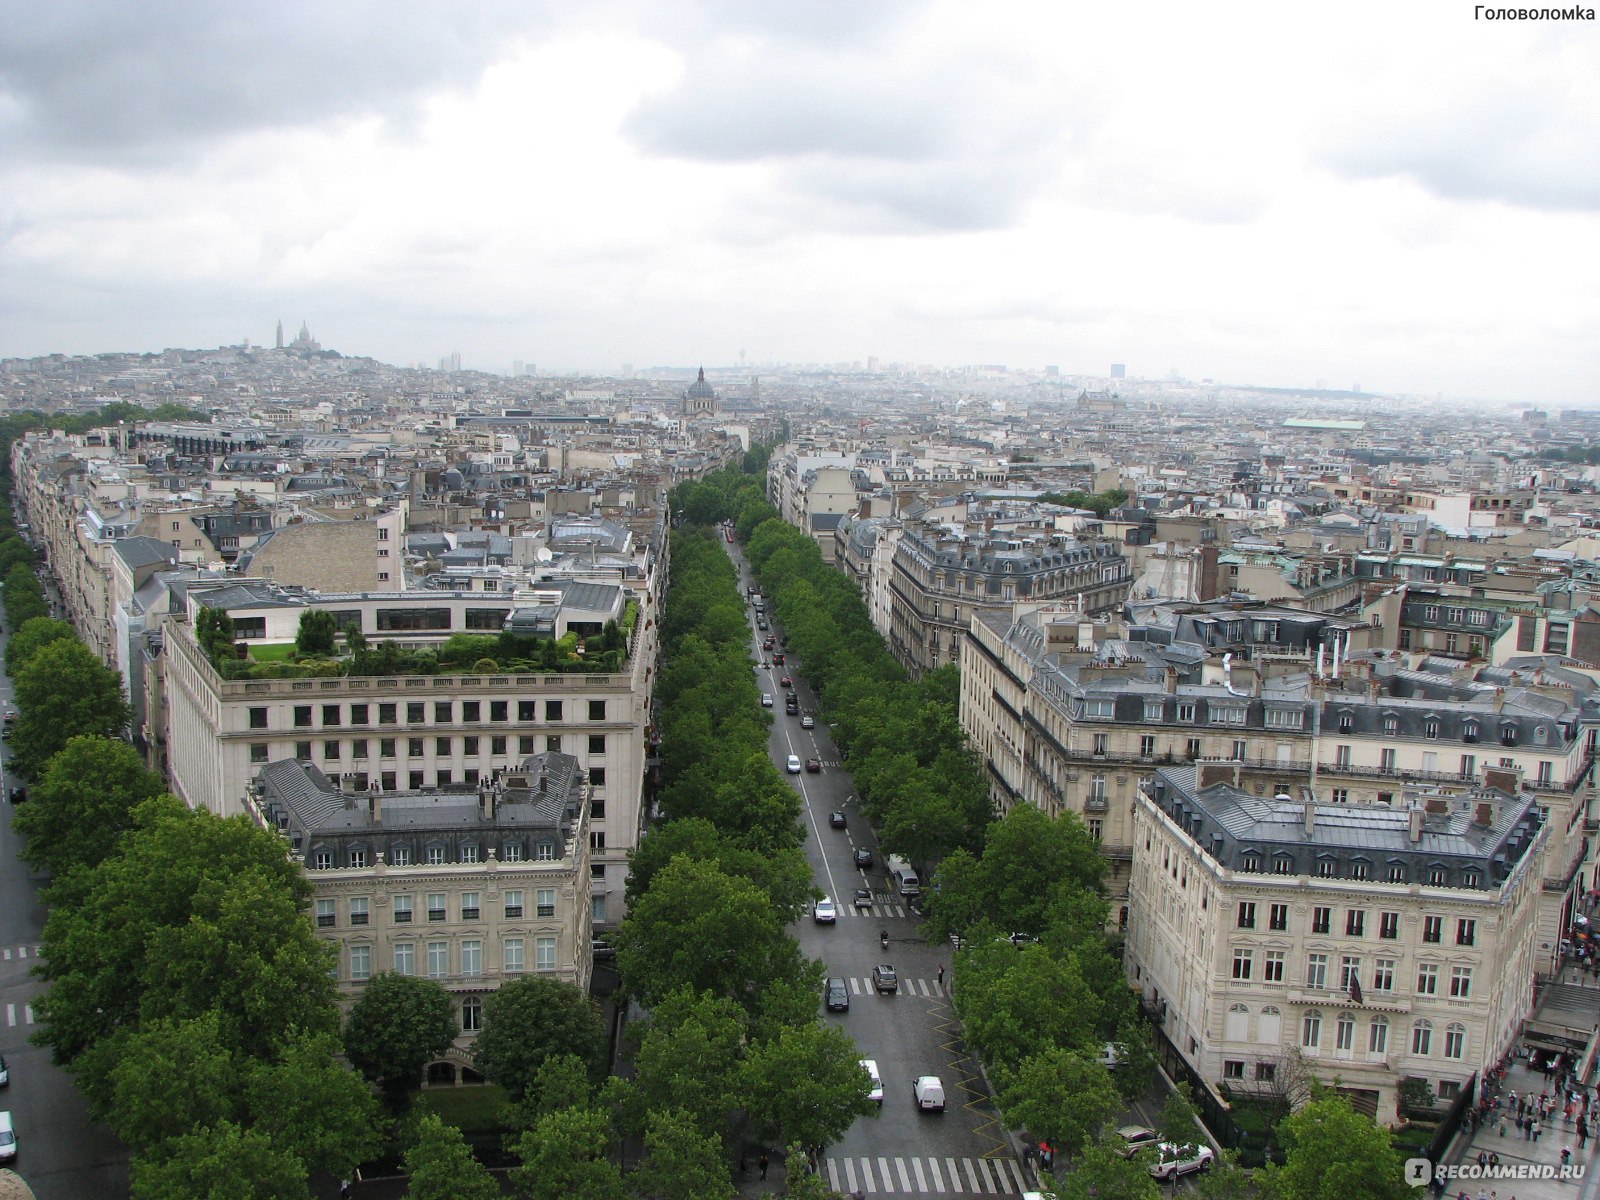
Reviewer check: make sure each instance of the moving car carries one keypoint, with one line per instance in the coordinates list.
(778, 658)
(791, 704)
(863, 857)
(793, 765)
(1138, 1138)
(5, 1073)
(808, 722)
(836, 819)
(1174, 1162)
(863, 897)
(928, 1092)
(766, 699)
(823, 912)
(837, 994)
(885, 978)
(767, 644)
(785, 681)
(814, 765)
(871, 1068)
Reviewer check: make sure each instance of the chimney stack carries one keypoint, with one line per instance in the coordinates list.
(375, 803)
(1484, 814)
(1310, 807)
(1415, 815)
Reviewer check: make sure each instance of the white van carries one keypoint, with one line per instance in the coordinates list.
(928, 1092)
(905, 878)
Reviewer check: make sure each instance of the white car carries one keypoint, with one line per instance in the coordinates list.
(766, 699)
(808, 722)
(793, 765)
(928, 1092)
(823, 912)
(1174, 1162)
(871, 1068)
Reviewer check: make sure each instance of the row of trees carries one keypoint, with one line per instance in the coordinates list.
(1099, 503)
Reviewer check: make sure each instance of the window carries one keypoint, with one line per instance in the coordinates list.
(552, 710)
(403, 904)
(547, 902)
(1341, 795)
(471, 1015)
(597, 841)
(441, 747)
(471, 712)
(359, 910)
(1192, 747)
(435, 855)
(1378, 1036)
(469, 852)
(1232, 1069)
(1242, 963)
(497, 746)
(438, 960)
(1460, 983)
(1272, 968)
(597, 743)
(597, 710)
(1430, 728)
(1321, 919)
(258, 718)
(544, 954)
(497, 711)
(330, 750)
(358, 748)
(544, 850)
(1384, 975)
(1317, 972)
(302, 751)
(1397, 872)
(1247, 914)
(1278, 919)
(1347, 722)
(1341, 757)
(525, 744)
(597, 777)
(387, 714)
(598, 903)
(302, 716)
(1355, 922)
(1455, 1040)
(1466, 931)
(469, 747)
(1101, 741)
(553, 743)
(405, 958)
(512, 956)
(1147, 746)
(1239, 751)
(360, 963)
(1349, 973)
(322, 860)
(358, 714)
(1389, 926)
(1386, 760)
(1311, 1030)
(330, 714)
(1266, 1072)
(325, 917)
(386, 747)
(472, 957)
(258, 752)
(401, 619)
(358, 858)
(514, 905)
(511, 852)
(1422, 1037)
(1344, 1032)
(437, 910)
(469, 906)
(1432, 929)
(1097, 827)
(527, 710)
(414, 780)
(1359, 869)
(1427, 979)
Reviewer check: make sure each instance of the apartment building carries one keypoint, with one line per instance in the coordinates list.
(469, 886)
(1068, 720)
(407, 732)
(1363, 945)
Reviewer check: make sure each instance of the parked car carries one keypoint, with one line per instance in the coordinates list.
(1174, 1162)
(814, 766)
(871, 1068)
(766, 699)
(928, 1092)
(18, 794)
(793, 765)
(885, 978)
(808, 722)
(1138, 1138)
(823, 912)
(864, 898)
(863, 857)
(8, 1139)
(836, 819)
(5, 1072)
(837, 995)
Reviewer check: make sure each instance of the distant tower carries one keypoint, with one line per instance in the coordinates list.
(699, 400)
(280, 333)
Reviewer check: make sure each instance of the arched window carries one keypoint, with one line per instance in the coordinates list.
(1344, 1034)
(1422, 1038)
(1271, 1028)
(1311, 1030)
(1378, 1036)
(1238, 1025)
(1455, 1040)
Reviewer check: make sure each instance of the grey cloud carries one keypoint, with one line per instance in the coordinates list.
(93, 80)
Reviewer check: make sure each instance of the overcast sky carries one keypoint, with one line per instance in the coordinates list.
(1392, 195)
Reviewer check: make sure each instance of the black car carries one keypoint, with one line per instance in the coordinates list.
(863, 857)
(836, 820)
(604, 951)
(19, 794)
(838, 996)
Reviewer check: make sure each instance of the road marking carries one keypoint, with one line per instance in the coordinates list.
(11, 1014)
(922, 1180)
(900, 1169)
(866, 1175)
(1007, 1168)
(849, 1175)
(972, 1178)
(22, 952)
(855, 985)
(938, 1177)
(28, 1009)
(988, 1179)
(883, 1171)
(833, 1175)
(955, 1175)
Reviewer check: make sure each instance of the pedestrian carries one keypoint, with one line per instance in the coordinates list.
(762, 1163)
(941, 974)
(1483, 1159)
(1538, 1128)
(1494, 1160)
(1583, 1133)
(1566, 1156)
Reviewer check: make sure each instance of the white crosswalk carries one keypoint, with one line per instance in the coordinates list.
(11, 952)
(931, 988)
(878, 910)
(12, 1015)
(926, 1176)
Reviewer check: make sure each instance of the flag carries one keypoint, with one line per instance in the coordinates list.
(1355, 989)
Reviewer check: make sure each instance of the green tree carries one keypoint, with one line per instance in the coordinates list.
(688, 1056)
(307, 1098)
(565, 1157)
(441, 1166)
(24, 597)
(529, 1019)
(1101, 1173)
(83, 805)
(317, 633)
(800, 1182)
(1332, 1152)
(396, 1027)
(219, 1161)
(1176, 1123)
(1016, 1003)
(1063, 1097)
(64, 692)
(33, 635)
(169, 1078)
(806, 1085)
(680, 1161)
(213, 629)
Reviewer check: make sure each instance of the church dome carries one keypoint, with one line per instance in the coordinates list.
(700, 389)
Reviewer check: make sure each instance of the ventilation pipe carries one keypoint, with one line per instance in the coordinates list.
(1227, 675)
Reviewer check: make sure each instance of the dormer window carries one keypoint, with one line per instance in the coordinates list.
(1391, 724)
(1347, 723)
(1430, 727)
(1469, 731)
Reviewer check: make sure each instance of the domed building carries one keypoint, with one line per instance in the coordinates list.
(699, 400)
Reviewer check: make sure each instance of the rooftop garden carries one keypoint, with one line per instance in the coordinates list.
(323, 649)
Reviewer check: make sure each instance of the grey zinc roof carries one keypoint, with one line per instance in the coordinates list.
(143, 551)
(590, 597)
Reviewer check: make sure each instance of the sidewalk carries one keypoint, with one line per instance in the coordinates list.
(1514, 1150)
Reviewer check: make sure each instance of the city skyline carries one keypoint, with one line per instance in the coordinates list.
(1393, 199)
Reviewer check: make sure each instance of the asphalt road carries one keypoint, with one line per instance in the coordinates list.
(60, 1152)
(964, 1150)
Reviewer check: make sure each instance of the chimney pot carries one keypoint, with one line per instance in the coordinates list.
(1415, 816)
(1311, 815)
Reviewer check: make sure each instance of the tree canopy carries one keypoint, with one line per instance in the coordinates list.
(397, 1025)
(78, 812)
(64, 692)
(530, 1019)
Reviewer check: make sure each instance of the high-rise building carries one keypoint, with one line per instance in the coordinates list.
(280, 333)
